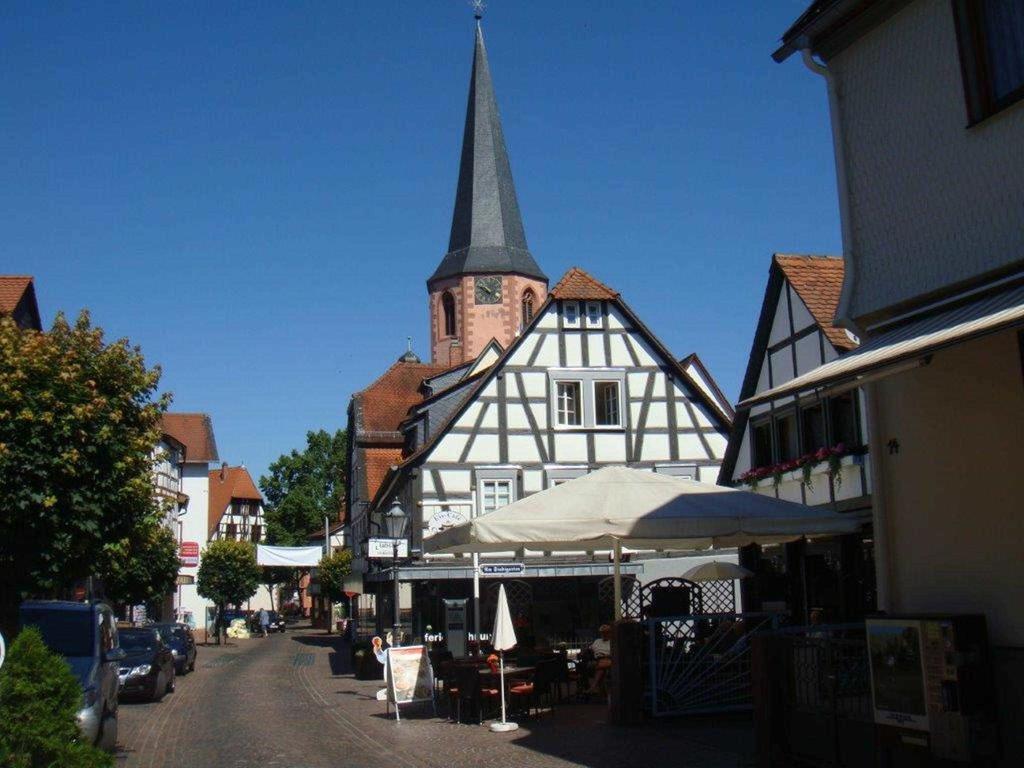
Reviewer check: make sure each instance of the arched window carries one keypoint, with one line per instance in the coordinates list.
(448, 305)
(528, 301)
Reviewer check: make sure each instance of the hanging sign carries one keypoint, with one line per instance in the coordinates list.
(385, 548)
(185, 579)
(410, 677)
(502, 569)
(188, 552)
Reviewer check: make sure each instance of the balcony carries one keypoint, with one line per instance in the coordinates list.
(852, 480)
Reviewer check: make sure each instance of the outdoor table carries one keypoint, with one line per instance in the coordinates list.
(509, 671)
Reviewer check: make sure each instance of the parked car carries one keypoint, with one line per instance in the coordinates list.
(86, 635)
(277, 623)
(147, 671)
(179, 638)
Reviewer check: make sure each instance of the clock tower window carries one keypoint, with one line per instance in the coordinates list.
(528, 306)
(448, 308)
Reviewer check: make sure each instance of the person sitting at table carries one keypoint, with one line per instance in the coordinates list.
(601, 649)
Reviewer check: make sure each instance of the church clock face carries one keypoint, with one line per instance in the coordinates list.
(488, 290)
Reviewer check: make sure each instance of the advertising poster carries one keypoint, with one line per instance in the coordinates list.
(410, 677)
(897, 673)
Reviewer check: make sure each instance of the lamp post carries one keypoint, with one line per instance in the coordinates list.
(395, 521)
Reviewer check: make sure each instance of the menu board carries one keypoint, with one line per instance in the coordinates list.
(409, 675)
(897, 673)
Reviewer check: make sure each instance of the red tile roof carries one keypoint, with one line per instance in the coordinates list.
(12, 288)
(195, 432)
(818, 280)
(386, 402)
(577, 284)
(229, 483)
(378, 462)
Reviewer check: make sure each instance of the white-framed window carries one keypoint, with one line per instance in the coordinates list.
(570, 404)
(571, 314)
(685, 471)
(587, 398)
(495, 494)
(496, 487)
(556, 475)
(607, 404)
(593, 314)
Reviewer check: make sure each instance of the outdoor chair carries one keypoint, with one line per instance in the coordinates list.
(542, 686)
(473, 693)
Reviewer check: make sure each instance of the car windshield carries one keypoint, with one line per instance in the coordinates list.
(171, 633)
(137, 641)
(69, 633)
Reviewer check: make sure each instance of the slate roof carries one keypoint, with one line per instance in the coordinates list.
(195, 432)
(818, 280)
(236, 483)
(487, 229)
(578, 285)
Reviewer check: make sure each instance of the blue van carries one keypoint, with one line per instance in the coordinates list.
(85, 634)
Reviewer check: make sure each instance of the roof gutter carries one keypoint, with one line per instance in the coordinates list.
(842, 183)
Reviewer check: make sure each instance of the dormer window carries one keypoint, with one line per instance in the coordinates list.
(448, 309)
(990, 34)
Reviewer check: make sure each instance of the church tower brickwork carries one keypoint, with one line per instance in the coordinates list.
(488, 285)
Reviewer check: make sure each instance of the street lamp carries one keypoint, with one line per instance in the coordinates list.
(395, 522)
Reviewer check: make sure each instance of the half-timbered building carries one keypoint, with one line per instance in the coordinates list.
(525, 389)
(808, 449)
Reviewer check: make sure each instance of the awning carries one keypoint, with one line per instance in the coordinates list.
(905, 346)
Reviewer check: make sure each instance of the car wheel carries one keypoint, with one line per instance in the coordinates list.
(107, 738)
(159, 688)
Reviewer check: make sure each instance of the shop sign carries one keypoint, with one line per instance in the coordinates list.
(503, 569)
(385, 548)
(188, 552)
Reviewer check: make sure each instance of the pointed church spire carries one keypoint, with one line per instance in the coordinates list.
(487, 230)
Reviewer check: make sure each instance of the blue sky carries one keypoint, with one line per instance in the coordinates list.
(255, 193)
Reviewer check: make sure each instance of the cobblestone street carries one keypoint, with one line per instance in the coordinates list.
(289, 701)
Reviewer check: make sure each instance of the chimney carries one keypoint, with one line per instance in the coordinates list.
(223, 471)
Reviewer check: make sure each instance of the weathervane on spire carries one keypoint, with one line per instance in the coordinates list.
(478, 9)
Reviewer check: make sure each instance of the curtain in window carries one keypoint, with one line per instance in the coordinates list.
(1004, 41)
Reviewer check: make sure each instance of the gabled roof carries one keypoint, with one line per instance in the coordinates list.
(818, 280)
(195, 432)
(18, 295)
(226, 484)
(487, 229)
(578, 285)
(386, 402)
(715, 409)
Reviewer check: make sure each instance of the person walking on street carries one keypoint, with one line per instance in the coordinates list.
(264, 621)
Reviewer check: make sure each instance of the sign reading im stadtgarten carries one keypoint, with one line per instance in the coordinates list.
(382, 548)
(502, 569)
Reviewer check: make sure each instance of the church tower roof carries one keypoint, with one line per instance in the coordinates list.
(487, 229)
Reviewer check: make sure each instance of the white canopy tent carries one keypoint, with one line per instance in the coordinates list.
(618, 506)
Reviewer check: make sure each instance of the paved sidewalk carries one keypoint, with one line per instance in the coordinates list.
(289, 701)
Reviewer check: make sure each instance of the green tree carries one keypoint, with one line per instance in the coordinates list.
(228, 574)
(78, 421)
(304, 488)
(332, 570)
(39, 699)
(143, 567)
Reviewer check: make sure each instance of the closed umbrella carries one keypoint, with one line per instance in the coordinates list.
(503, 639)
(717, 570)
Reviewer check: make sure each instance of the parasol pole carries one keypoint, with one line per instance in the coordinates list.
(617, 578)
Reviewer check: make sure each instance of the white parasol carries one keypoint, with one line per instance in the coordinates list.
(504, 639)
(717, 570)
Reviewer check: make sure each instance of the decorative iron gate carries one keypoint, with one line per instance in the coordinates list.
(829, 720)
(700, 663)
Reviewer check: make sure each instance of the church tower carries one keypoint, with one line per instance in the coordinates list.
(487, 286)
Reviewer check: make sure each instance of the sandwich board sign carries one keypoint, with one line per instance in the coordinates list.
(409, 676)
